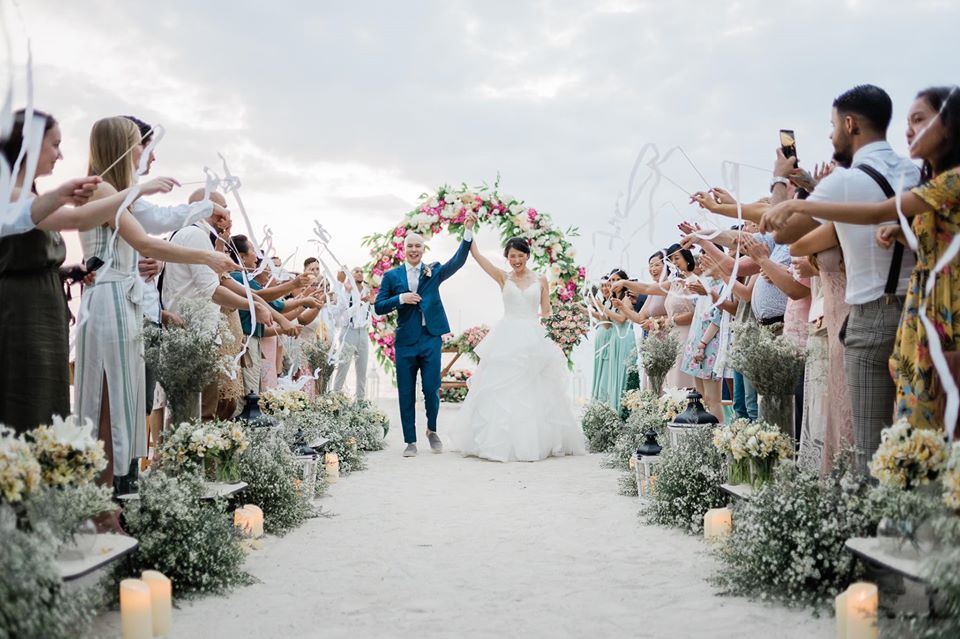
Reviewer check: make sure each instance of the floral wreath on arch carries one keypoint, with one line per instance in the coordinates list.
(446, 210)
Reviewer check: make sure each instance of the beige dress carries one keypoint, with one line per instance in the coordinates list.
(676, 304)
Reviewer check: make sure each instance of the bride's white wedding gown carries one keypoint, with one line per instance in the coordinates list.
(518, 407)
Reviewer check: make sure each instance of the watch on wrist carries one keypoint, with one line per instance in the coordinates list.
(779, 179)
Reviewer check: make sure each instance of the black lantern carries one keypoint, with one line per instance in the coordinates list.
(649, 447)
(300, 446)
(251, 411)
(695, 414)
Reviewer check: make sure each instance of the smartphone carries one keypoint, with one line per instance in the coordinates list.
(788, 143)
(93, 264)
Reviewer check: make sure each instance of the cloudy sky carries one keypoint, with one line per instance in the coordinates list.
(346, 112)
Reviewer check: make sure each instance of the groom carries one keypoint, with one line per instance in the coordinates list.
(413, 290)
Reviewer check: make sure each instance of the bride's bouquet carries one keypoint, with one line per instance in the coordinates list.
(567, 325)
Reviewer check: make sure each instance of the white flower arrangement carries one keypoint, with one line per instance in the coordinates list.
(673, 401)
(773, 364)
(191, 447)
(20, 472)
(908, 457)
(277, 401)
(67, 452)
(601, 426)
(660, 351)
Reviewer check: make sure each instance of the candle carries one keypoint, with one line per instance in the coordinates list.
(161, 594)
(136, 616)
(840, 609)
(256, 518)
(331, 463)
(717, 523)
(243, 519)
(861, 605)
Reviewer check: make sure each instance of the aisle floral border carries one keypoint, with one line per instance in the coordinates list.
(446, 210)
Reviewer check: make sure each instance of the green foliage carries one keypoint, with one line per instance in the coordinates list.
(788, 540)
(601, 426)
(275, 483)
(191, 541)
(688, 482)
(34, 603)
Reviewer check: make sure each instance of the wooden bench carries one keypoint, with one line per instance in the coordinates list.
(740, 491)
(107, 548)
(212, 490)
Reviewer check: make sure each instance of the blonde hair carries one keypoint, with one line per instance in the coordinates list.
(110, 138)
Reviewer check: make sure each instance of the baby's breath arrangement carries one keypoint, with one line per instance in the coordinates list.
(727, 441)
(773, 364)
(660, 351)
(34, 602)
(788, 541)
(275, 483)
(601, 426)
(632, 400)
(20, 472)
(67, 452)
(951, 479)
(317, 355)
(62, 509)
(688, 482)
(647, 416)
(213, 446)
(908, 457)
(186, 359)
(329, 417)
(191, 541)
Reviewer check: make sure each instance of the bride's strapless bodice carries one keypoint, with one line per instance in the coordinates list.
(521, 303)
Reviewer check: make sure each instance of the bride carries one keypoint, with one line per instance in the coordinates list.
(518, 408)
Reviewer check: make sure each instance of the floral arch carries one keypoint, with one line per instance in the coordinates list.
(446, 210)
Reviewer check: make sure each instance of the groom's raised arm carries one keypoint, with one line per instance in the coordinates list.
(459, 259)
(386, 302)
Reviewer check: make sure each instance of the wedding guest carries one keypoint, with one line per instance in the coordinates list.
(109, 379)
(34, 338)
(652, 310)
(877, 277)
(699, 354)
(601, 341)
(356, 326)
(933, 131)
(620, 345)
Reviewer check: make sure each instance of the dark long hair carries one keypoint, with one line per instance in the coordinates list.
(240, 244)
(687, 255)
(946, 102)
(516, 244)
(11, 146)
(619, 272)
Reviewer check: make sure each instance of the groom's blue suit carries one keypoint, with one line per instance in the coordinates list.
(419, 334)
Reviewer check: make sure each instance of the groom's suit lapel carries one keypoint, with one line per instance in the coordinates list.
(402, 274)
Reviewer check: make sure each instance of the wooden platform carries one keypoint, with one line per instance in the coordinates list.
(874, 551)
(107, 549)
(740, 491)
(213, 490)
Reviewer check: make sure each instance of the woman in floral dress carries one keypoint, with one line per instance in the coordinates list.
(702, 347)
(933, 134)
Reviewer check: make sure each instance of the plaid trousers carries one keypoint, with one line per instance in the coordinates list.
(870, 337)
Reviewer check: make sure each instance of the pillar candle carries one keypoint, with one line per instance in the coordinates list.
(243, 519)
(840, 610)
(861, 603)
(717, 523)
(161, 598)
(136, 617)
(256, 519)
(331, 463)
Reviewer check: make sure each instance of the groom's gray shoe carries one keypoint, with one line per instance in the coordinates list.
(410, 450)
(435, 444)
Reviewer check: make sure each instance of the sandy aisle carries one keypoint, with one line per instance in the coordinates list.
(441, 546)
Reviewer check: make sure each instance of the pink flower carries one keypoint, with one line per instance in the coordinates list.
(400, 231)
(532, 214)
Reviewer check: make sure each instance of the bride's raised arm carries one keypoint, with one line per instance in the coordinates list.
(487, 265)
(545, 309)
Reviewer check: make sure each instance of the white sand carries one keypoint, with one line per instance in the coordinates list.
(442, 546)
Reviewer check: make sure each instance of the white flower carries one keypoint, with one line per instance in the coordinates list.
(555, 270)
(557, 249)
(572, 252)
(69, 433)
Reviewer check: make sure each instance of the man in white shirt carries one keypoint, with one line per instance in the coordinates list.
(182, 282)
(875, 285)
(356, 308)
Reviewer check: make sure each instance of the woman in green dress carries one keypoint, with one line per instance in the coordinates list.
(622, 346)
(601, 340)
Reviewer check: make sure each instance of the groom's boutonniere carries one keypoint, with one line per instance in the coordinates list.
(426, 271)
